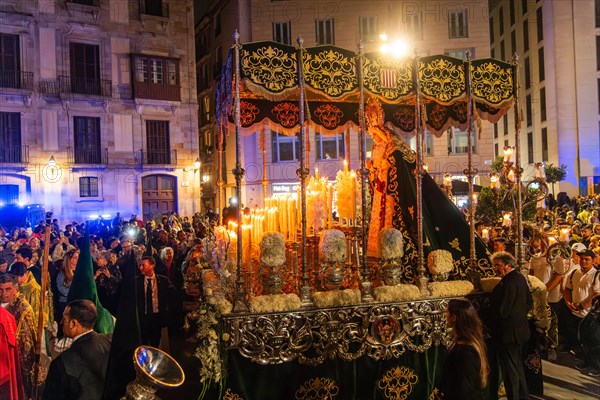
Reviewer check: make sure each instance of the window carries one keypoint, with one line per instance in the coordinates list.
(205, 110)
(458, 142)
(157, 142)
(530, 147)
(513, 42)
(367, 27)
(527, 72)
(501, 20)
(491, 30)
(505, 123)
(541, 64)
(511, 11)
(529, 112)
(457, 24)
(285, 148)
(324, 31)
(493, 53)
(597, 7)
(10, 137)
(543, 104)
(540, 24)
(506, 143)
(524, 6)
(544, 144)
(9, 193)
(428, 143)
(88, 186)
(330, 147)
(461, 54)
(282, 32)
(218, 62)
(412, 26)
(10, 61)
(87, 140)
(158, 70)
(85, 68)
(217, 25)
(597, 53)
(502, 51)
(154, 7)
(495, 149)
(525, 36)
(496, 130)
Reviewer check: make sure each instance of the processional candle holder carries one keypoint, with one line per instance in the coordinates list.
(447, 185)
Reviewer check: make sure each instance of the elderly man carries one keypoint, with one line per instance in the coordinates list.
(80, 371)
(13, 302)
(510, 302)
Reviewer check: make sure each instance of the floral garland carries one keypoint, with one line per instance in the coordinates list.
(391, 244)
(333, 245)
(334, 298)
(451, 288)
(440, 262)
(275, 303)
(272, 249)
(402, 292)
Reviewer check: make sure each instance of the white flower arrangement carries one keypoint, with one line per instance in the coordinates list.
(275, 303)
(539, 311)
(440, 262)
(272, 249)
(334, 298)
(451, 288)
(402, 292)
(333, 245)
(222, 305)
(391, 244)
(488, 284)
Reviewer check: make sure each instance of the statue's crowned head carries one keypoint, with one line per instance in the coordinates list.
(374, 114)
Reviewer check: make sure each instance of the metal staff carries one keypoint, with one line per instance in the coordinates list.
(518, 170)
(470, 171)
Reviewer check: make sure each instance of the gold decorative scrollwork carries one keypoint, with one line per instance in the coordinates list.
(330, 72)
(436, 394)
(248, 113)
(270, 67)
(287, 114)
(378, 70)
(491, 82)
(442, 79)
(318, 389)
(405, 117)
(229, 395)
(460, 110)
(329, 115)
(455, 244)
(438, 116)
(397, 383)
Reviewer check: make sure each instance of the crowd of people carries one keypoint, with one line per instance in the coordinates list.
(161, 255)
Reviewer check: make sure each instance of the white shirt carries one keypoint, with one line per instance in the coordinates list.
(543, 271)
(581, 286)
(84, 333)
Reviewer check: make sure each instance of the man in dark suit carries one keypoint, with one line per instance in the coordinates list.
(80, 371)
(153, 293)
(510, 302)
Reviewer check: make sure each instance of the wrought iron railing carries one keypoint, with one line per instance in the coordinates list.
(153, 157)
(16, 80)
(14, 154)
(89, 86)
(87, 155)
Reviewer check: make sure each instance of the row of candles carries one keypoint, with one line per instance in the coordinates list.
(564, 233)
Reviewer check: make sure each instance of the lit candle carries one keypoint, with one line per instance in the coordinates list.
(508, 151)
(317, 173)
(494, 181)
(353, 177)
(551, 240)
(345, 165)
(425, 168)
(564, 234)
(506, 219)
(475, 199)
(485, 234)
(511, 175)
(330, 201)
(540, 170)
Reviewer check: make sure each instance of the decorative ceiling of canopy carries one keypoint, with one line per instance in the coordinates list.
(269, 88)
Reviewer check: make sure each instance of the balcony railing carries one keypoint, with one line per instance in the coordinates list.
(153, 157)
(147, 90)
(14, 154)
(88, 86)
(154, 8)
(16, 80)
(87, 155)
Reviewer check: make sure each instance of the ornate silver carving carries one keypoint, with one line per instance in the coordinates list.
(380, 331)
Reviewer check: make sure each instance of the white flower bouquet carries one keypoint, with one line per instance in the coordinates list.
(272, 249)
(391, 244)
(402, 292)
(488, 284)
(451, 288)
(334, 298)
(333, 245)
(275, 303)
(440, 262)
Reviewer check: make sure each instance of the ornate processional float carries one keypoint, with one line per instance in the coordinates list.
(357, 290)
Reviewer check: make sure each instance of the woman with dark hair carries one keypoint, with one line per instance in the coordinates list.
(466, 369)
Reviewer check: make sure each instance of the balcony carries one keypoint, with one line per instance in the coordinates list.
(156, 91)
(87, 155)
(156, 157)
(14, 154)
(85, 86)
(16, 80)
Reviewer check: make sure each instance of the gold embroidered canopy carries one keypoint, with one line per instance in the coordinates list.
(269, 88)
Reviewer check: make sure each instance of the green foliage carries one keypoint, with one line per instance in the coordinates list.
(490, 205)
(497, 165)
(555, 174)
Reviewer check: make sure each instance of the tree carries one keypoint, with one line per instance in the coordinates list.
(555, 174)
